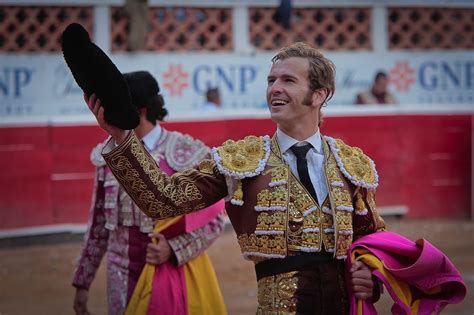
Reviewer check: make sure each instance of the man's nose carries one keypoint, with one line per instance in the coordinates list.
(276, 88)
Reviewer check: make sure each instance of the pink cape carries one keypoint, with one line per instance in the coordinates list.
(168, 295)
(419, 264)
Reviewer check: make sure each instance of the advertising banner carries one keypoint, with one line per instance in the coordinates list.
(42, 85)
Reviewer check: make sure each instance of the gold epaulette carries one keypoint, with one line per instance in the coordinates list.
(243, 158)
(354, 164)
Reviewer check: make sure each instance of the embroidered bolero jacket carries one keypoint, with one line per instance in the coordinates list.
(271, 211)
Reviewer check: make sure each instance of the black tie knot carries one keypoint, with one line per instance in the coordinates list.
(302, 168)
(301, 151)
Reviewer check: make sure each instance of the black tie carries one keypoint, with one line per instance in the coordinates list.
(302, 167)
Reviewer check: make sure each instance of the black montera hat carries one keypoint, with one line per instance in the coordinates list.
(143, 87)
(95, 73)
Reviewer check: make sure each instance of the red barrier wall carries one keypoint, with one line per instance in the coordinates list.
(424, 163)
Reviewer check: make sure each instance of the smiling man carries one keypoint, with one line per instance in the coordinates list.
(296, 200)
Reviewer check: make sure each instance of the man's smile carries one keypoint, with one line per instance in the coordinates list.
(278, 102)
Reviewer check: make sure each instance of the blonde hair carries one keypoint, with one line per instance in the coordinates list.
(322, 71)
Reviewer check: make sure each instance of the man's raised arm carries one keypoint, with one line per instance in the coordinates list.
(153, 191)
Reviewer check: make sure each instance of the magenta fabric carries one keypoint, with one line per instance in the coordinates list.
(168, 294)
(164, 166)
(137, 244)
(200, 218)
(419, 264)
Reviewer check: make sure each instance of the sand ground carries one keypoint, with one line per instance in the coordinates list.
(35, 279)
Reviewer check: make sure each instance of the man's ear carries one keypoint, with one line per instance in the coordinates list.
(319, 96)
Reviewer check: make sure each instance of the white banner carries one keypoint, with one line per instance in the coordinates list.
(42, 85)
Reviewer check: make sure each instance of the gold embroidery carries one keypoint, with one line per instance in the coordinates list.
(341, 197)
(248, 243)
(310, 240)
(360, 207)
(327, 222)
(344, 220)
(307, 226)
(371, 203)
(329, 241)
(180, 188)
(274, 160)
(279, 197)
(277, 294)
(238, 194)
(340, 224)
(268, 245)
(242, 155)
(312, 220)
(279, 175)
(327, 225)
(295, 216)
(332, 173)
(294, 238)
(271, 221)
(263, 199)
(343, 244)
(137, 189)
(357, 164)
(359, 203)
(304, 202)
(275, 155)
(207, 166)
(303, 219)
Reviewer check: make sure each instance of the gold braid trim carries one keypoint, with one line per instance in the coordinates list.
(379, 222)
(354, 164)
(342, 208)
(277, 294)
(179, 192)
(174, 192)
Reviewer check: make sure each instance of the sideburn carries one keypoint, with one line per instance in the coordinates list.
(307, 100)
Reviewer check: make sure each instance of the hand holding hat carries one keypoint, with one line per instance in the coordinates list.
(96, 74)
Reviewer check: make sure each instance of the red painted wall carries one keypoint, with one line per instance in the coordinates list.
(424, 163)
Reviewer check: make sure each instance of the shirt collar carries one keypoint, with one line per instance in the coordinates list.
(286, 142)
(151, 139)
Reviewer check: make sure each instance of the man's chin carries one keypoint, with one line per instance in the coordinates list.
(276, 116)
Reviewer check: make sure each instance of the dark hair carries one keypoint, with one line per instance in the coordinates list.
(155, 109)
(212, 95)
(144, 91)
(380, 75)
(321, 72)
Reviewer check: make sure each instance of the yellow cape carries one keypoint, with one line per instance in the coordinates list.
(400, 288)
(203, 292)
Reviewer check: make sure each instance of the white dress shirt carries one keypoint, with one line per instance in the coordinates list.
(315, 158)
(151, 139)
(210, 107)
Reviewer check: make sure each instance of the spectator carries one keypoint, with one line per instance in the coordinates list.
(213, 100)
(378, 94)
